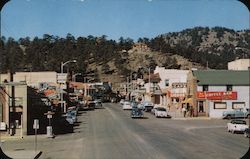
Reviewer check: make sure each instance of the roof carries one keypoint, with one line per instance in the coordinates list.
(222, 77)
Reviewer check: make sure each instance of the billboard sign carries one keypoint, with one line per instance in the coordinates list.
(217, 95)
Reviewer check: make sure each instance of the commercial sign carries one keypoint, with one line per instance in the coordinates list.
(36, 124)
(179, 85)
(217, 95)
(61, 78)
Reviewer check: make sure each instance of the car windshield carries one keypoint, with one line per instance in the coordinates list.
(239, 122)
(161, 109)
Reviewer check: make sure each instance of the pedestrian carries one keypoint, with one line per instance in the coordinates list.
(184, 110)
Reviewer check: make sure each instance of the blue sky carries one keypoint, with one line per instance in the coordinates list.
(116, 18)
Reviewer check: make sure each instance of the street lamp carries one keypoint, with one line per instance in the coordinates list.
(74, 76)
(65, 63)
(61, 91)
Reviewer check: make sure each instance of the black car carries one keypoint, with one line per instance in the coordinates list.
(136, 112)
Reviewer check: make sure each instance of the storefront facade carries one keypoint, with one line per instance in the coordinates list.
(217, 91)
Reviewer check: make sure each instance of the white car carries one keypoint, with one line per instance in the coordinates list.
(160, 112)
(237, 126)
(127, 105)
(122, 101)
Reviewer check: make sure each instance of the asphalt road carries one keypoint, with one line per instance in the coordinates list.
(110, 133)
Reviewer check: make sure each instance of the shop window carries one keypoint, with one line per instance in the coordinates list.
(238, 105)
(229, 87)
(205, 88)
(220, 105)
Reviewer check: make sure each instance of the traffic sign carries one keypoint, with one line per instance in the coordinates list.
(36, 124)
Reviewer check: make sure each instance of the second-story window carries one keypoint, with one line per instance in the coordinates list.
(229, 87)
(205, 88)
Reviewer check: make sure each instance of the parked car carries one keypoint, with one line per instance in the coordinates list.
(127, 105)
(237, 125)
(237, 113)
(122, 101)
(91, 105)
(154, 108)
(136, 112)
(161, 112)
(148, 106)
(71, 116)
(98, 104)
(247, 132)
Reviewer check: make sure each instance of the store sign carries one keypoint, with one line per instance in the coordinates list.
(217, 95)
(61, 77)
(179, 85)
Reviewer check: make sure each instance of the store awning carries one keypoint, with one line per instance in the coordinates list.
(187, 100)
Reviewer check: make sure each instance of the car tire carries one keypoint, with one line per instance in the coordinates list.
(248, 116)
(229, 117)
(233, 131)
(245, 134)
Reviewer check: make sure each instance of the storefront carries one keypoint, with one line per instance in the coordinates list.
(216, 91)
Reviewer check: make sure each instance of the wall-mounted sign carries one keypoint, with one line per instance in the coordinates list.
(179, 85)
(2, 126)
(217, 95)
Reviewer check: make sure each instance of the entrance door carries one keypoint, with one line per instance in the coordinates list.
(201, 108)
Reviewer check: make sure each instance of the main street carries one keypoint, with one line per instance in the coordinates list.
(110, 133)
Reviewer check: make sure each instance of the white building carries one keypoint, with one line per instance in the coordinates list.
(173, 84)
(240, 64)
(216, 91)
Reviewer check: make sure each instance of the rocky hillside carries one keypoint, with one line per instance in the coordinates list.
(190, 48)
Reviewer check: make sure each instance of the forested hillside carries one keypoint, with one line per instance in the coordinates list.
(101, 56)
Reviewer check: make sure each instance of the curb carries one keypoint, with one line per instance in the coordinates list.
(194, 118)
(23, 154)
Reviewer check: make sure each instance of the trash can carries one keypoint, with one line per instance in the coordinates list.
(49, 131)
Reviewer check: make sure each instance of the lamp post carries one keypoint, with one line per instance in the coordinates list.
(61, 91)
(74, 76)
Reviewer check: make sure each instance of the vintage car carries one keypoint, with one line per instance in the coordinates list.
(237, 113)
(237, 125)
(148, 106)
(161, 112)
(247, 132)
(98, 103)
(127, 105)
(136, 112)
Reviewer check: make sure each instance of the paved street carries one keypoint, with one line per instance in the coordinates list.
(111, 133)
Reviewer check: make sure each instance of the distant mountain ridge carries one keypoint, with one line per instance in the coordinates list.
(217, 43)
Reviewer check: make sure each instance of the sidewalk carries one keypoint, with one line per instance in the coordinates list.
(20, 153)
(191, 118)
(177, 115)
(23, 154)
